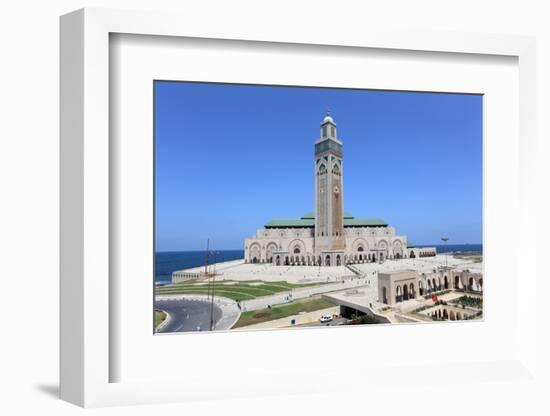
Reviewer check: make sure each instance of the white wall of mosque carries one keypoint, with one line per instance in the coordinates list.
(296, 246)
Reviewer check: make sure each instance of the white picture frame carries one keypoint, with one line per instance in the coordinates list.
(86, 352)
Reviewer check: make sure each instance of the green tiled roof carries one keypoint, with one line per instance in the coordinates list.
(358, 222)
(308, 220)
(291, 223)
(311, 215)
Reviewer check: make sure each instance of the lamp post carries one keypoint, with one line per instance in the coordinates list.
(213, 280)
(445, 239)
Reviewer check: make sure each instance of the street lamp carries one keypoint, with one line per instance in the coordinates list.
(213, 280)
(445, 239)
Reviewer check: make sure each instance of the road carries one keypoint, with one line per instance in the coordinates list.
(335, 321)
(187, 314)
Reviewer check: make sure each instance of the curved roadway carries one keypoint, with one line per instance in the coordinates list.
(192, 313)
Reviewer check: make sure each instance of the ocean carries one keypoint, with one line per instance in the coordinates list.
(168, 261)
(452, 248)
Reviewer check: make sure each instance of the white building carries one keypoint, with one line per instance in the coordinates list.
(328, 237)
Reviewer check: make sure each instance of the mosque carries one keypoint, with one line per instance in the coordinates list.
(329, 236)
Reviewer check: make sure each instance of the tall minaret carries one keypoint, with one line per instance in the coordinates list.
(329, 212)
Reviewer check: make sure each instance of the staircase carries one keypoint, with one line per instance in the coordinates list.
(354, 270)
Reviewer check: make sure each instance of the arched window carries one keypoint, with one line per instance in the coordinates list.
(360, 248)
(296, 250)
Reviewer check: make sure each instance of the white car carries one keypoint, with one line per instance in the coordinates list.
(325, 318)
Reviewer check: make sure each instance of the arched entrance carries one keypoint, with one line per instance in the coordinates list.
(278, 260)
(287, 262)
(398, 294)
(338, 260)
(445, 282)
(327, 260)
(381, 256)
(420, 288)
(255, 253)
(271, 247)
(457, 282)
(405, 292)
(411, 255)
(471, 284)
(384, 295)
(411, 291)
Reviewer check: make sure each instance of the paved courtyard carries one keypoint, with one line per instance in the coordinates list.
(239, 270)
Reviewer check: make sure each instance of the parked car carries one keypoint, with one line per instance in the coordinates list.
(325, 318)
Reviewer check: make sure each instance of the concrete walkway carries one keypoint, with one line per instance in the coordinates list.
(305, 292)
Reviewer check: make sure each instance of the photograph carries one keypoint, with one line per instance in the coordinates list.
(291, 207)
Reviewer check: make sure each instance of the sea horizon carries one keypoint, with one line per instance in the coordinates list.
(167, 262)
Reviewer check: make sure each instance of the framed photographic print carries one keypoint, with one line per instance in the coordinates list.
(290, 207)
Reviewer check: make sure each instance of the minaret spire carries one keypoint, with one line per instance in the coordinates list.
(329, 221)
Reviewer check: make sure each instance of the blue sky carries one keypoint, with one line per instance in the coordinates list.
(231, 157)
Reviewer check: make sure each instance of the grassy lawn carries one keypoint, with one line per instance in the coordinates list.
(474, 257)
(276, 312)
(236, 290)
(160, 316)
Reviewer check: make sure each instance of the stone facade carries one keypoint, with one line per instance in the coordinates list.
(399, 286)
(296, 246)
